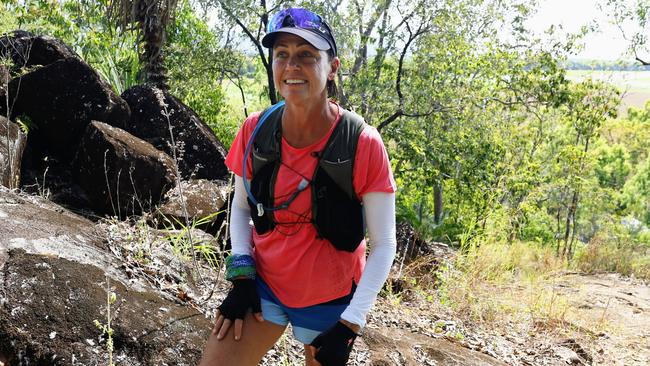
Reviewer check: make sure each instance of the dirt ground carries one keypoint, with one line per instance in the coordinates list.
(619, 307)
(598, 319)
(568, 319)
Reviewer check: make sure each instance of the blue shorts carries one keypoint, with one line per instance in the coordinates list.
(307, 322)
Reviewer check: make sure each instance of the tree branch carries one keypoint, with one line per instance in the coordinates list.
(398, 87)
(265, 61)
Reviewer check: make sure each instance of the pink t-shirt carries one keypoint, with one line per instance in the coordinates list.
(301, 269)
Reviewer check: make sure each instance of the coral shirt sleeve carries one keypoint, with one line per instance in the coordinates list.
(234, 159)
(372, 170)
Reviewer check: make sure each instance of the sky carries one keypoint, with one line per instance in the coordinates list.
(605, 44)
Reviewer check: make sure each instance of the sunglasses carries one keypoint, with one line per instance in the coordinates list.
(300, 18)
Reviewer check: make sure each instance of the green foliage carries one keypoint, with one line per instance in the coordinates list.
(640, 115)
(489, 140)
(83, 26)
(186, 246)
(612, 166)
(200, 69)
(636, 193)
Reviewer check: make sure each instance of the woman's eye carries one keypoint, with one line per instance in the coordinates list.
(281, 55)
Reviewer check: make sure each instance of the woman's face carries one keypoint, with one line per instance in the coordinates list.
(301, 71)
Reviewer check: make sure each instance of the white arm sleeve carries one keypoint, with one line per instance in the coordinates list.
(241, 225)
(379, 210)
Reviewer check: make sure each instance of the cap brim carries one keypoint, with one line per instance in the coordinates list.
(314, 39)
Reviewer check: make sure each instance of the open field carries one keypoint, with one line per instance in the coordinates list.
(635, 85)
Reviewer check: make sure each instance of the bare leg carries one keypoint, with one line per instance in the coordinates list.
(309, 359)
(257, 339)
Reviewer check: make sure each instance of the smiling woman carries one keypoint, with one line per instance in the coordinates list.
(312, 177)
(302, 71)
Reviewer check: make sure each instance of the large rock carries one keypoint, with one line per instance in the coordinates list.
(60, 100)
(200, 154)
(12, 145)
(4, 82)
(203, 200)
(16, 46)
(54, 274)
(26, 49)
(411, 247)
(122, 174)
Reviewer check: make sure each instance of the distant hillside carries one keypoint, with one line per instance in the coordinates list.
(604, 65)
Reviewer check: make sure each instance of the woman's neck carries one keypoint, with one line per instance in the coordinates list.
(302, 125)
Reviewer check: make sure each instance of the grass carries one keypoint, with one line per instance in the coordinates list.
(495, 285)
(186, 247)
(607, 253)
(523, 286)
(469, 285)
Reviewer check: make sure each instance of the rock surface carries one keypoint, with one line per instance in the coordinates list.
(12, 145)
(26, 49)
(200, 154)
(204, 200)
(60, 100)
(409, 349)
(54, 275)
(121, 173)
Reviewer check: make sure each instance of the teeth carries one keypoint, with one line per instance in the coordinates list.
(294, 81)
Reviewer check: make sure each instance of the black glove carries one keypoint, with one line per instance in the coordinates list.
(333, 346)
(241, 297)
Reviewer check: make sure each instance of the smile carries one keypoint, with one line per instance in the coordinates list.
(294, 81)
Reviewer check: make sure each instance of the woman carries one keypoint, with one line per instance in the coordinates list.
(312, 177)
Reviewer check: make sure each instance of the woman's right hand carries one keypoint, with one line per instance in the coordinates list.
(234, 307)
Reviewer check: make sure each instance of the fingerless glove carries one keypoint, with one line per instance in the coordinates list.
(242, 296)
(334, 345)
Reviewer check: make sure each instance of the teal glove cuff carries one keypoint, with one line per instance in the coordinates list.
(240, 266)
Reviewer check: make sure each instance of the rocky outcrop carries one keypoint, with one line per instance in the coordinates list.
(55, 273)
(122, 174)
(26, 49)
(204, 200)
(12, 145)
(199, 152)
(410, 246)
(60, 100)
(16, 46)
(57, 95)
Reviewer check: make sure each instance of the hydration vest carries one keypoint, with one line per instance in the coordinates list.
(336, 210)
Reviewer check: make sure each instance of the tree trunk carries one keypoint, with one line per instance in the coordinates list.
(437, 202)
(570, 225)
(273, 95)
(557, 232)
(152, 58)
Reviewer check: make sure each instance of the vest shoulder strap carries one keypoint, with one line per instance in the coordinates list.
(267, 143)
(337, 160)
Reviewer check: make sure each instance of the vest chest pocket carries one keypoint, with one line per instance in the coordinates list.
(260, 159)
(340, 172)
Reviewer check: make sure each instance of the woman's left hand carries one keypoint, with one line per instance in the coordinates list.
(333, 346)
